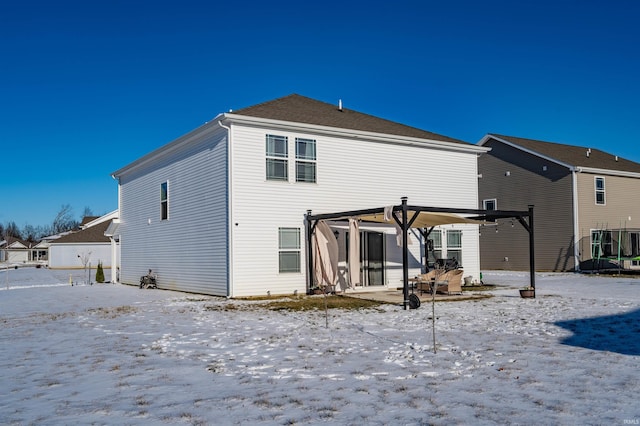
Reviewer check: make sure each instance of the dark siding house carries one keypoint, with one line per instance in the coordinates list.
(580, 223)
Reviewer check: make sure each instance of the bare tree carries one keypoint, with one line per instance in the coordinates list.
(64, 220)
(12, 230)
(85, 259)
(87, 212)
(30, 233)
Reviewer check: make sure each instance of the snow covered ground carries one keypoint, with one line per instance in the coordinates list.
(113, 354)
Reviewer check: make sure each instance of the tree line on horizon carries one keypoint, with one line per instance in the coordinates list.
(63, 222)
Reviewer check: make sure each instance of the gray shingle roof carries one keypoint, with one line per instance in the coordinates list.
(574, 155)
(300, 109)
(94, 234)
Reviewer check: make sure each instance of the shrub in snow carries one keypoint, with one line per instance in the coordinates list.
(99, 273)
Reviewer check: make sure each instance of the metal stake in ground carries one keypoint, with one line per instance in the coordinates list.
(433, 312)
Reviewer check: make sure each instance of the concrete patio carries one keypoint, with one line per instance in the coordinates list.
(396, 296)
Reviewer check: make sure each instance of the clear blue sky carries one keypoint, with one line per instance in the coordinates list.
(87, 87)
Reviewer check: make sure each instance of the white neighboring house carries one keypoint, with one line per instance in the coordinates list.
(15, 250)
(89, 245)
(221, 209)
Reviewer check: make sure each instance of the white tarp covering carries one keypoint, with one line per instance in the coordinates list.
(325, 255)
(424, 219)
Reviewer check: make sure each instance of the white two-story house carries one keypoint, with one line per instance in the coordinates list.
(221, 210)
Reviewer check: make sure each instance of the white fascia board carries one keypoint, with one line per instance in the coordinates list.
(81, 243)
(206, 128)
(108, 216)
(608, 172)
(486, 138)
(353, 134)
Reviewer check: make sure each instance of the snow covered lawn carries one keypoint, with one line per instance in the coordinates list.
(114, 354)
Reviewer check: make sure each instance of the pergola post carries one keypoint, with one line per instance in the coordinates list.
(405, 255)
(532, 255)
(310, 266)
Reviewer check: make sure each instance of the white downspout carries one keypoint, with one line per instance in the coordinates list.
(229, 213)
(576, 225)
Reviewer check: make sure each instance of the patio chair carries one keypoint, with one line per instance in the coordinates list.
(427, 280)
(450, 282)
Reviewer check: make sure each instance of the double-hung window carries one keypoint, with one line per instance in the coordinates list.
(305, 160)
(277, 153)
(164, 201)
(600, 195)
(288, 250)
(454, 245)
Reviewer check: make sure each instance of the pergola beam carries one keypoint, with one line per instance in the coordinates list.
(400, 215)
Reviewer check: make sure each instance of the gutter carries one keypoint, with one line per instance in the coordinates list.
(608, 172)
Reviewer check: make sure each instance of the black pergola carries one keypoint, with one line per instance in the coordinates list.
(405, 215)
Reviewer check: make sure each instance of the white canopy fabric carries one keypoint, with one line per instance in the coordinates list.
(326, 255)
(424, 219)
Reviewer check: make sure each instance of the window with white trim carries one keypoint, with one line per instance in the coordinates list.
(601, 244)
(288, 250)
(305, 160)
(491, 204)
(164, 201)
(277, 153)
(454, 245)
(600, 192)
(435, 252)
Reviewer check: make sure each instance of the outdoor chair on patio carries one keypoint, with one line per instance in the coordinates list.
(426, 280)
(450, 282)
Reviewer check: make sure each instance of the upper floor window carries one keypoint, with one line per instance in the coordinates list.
(277, 152)
(288, 249)
(305, 160)
(164, 201)
(600, 196)
(491, 204)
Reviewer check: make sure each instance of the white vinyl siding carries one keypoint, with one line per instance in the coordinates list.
(350, 180)
(66, 255)
(188, 252)
(225, 212)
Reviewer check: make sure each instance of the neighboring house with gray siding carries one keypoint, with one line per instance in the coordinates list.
(586, 213)
(221, 209)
